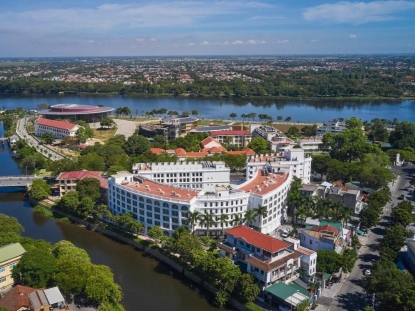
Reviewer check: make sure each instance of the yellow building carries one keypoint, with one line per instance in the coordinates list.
(9, 257)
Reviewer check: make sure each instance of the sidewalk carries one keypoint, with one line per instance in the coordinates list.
(328, 294)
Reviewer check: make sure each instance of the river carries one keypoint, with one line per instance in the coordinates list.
(299, 110)
(146, 284)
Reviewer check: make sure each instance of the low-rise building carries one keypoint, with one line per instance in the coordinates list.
(59, 129)
(410, 255)
(308, 258)
(17, 298)
(322, 237)
(50, 299)
(334, 127)
(239, 138)
(310, 144)
(67, 181)
(268, 259)
(9, 257)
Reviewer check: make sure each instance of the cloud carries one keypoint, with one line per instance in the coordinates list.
(282, 41)
(117, 17)
(145, 40)
(352, 36)
(205, 43)
(237, 42)
(356, 13)
(191, 44)
(313, 40)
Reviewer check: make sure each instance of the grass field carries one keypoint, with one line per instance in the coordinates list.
(104, 134)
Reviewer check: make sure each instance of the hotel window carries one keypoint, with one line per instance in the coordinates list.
(2, 269)
(157, 223)
(2, 279)
(166, 225)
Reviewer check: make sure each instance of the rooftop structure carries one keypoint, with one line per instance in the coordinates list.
(334, 127)
(17, 298)
(67, 181)
(9, 257)
(50, 298)
(58, 129)
(76, 112)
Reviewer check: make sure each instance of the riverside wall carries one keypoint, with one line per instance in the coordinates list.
(154, 253)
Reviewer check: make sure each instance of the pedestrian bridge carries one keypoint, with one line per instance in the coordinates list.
(17, 181)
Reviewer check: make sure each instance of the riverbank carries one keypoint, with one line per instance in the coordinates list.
(142, 243)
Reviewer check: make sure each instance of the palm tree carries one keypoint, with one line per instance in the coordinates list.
(249, 217)
(302, 213)
(193, 219)
(237, 220)
(223, 221)
(261, 212)
(207, 220)
(345, 215)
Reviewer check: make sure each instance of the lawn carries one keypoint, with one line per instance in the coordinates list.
(104, 134)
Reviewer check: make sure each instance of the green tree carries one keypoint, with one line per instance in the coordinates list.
(319, 163)
(309, 130)
(40, 190)
(249, 217)
(233, 115)
(156, 233)
(293, 132)
(100, 285)
(403, 135)
(107, 122)
(92, 162)
(195, 112)
(10, 230)
(194, 217)
(69, 202)
(136, 145)
(378, 131)
(88, 187)
(36, 266)
(48, 137)
(259, 145)
(207, 220)
(85, 207)
(402, 215)
(369, 217)
(187, 245)
(328, 261)
(246, 290)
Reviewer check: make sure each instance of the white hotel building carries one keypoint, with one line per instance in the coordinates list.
(158, 199)
(59, 129)
(204, 176)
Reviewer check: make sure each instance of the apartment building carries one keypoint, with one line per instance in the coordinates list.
(239, 138)
(9, 257)
(334, 127)
(59, 129)
(277, 141)
(268, 259)
(308, 258)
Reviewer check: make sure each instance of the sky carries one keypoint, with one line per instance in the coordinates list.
(51, 28)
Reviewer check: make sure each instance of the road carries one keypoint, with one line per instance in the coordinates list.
(351, 296)
(31, 141)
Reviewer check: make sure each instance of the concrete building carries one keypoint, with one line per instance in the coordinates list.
(59, 129)
(310, 144)
(239, 138)
(308, 258)
(204, 175)
(268, 259)
(75, 112)
(322, 237)
(334, 127)
(291, 161)
(17, 298)
(410, 255)
(67, 181)
(165, 203)
(277, 141)
(9, 257)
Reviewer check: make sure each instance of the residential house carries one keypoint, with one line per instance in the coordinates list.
(308, 258)
(268, 259)
(17, 299)
(331, 127)
(322, 237)
(50, 299)
(239, 138)
(9, 257)
(59, 129)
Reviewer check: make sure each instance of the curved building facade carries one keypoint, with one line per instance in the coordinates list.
(75, 112)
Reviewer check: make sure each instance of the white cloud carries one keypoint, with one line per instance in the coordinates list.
(352, 36)
(357, 13)
(153, 39)
(252, 41)
(313, 40)
(237, 42)
(191, 44)
(205, 43)
(282, 41)
(107, 17)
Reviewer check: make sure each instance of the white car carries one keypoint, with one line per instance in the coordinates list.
(366, 272)
(284, 234)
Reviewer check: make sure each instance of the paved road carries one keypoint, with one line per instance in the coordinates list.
(31, 141)
(351, 296)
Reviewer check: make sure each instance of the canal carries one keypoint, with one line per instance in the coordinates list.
(146, 284)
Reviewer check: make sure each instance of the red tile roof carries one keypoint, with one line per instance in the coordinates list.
(200, 154)
(78, 175)
(246, 151)
(216, 149)
(157, 150)
(63, 125)
(261, 184)
(325, 228)
(17, 298)
(207, 140)
(230, 133)
(180, 152)
(161, 190)
(257, 239)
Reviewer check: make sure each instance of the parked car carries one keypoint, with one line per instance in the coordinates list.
(285, 233)
(366, 272)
